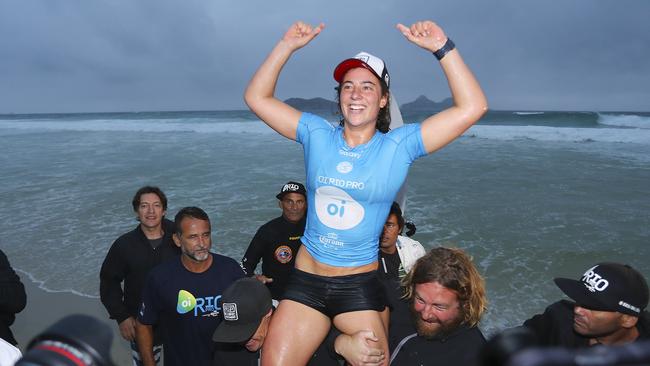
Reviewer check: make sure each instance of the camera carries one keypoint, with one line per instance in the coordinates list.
(76, 340)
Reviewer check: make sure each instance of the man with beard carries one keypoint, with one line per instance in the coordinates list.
(277, 242)
(129, 261)
(609, 308)
(436, 323)
(183, 296)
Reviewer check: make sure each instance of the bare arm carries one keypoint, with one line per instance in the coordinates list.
(144, 336)
(260, 92)
(469, 101)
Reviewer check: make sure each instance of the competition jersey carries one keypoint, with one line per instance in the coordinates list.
(350, 190)
(187, 307)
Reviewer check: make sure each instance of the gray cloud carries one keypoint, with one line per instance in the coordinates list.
(196, 54)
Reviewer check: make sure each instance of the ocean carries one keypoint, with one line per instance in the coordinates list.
(530, 195)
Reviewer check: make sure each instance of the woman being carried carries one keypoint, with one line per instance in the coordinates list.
(353, 174)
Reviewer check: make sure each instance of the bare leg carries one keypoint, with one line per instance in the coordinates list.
(352, 322)
(295, 333)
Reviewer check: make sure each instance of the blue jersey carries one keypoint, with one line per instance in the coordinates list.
(187, 307)
(350, 190)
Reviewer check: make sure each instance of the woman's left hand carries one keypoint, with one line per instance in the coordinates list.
(425, 34)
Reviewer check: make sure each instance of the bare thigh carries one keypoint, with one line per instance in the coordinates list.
(354, 321)
(295, 333)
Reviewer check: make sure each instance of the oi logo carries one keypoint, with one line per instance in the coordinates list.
(186, 302)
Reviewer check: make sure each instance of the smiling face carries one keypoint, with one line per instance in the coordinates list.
(150, 211)
(435, 309)
(361, 98)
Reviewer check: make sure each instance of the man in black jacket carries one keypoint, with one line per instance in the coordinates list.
(609, 308)
(130, 259)
(277, 242)
(12, 298)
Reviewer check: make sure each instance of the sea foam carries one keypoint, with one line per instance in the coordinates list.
(560, 134)
(624, 120)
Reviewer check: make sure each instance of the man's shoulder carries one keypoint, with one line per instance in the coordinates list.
(271, 224)
(472, 334)
(224, 262)
(166, 269)
(129, 237)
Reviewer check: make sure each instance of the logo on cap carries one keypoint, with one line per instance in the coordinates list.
(364, 58)
(593, 281)
(290, 187)
(230, 311)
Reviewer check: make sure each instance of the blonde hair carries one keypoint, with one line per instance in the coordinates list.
(453, 269)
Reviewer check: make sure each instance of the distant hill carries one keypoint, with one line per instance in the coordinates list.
(420, 105)
(313, 104)
(424, 104)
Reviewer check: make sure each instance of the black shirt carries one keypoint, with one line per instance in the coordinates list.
(555, 326)
(276, 243)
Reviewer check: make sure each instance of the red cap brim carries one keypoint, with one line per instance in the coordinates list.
(347, 65)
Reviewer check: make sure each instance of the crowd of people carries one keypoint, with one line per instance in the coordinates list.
(338, 282)
(166, 290)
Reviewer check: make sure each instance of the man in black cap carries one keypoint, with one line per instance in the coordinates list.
(247, 311)
(608, 308)
(276, 243)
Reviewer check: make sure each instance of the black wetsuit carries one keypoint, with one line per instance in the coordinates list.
(12, 298)
(129, 260)
(555, 326)
(276, 243)
(460, 347)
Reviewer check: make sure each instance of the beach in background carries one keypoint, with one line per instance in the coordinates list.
(530, 195)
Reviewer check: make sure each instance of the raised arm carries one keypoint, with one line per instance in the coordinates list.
(469, 101)
(260, 92)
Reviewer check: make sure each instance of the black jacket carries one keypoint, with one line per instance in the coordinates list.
(129, 260)
(276, 243)
(555, 326)
(12, 298)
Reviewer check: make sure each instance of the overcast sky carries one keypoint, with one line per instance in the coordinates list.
(144, 55)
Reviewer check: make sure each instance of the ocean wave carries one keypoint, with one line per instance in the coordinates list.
(527, 113)
(123, 125)
(624, 120)
(640, 135)
(41, 285)
(560, 134)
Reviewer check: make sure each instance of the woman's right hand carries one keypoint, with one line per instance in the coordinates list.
(299, 34)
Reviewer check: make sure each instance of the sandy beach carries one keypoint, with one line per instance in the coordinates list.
(45, 308)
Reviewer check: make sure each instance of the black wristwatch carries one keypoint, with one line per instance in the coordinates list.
(449, 45)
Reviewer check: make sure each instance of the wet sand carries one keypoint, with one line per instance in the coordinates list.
(45, 308)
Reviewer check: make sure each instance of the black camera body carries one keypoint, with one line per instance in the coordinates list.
(76, 340)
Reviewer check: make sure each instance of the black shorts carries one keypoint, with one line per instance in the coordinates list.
(336, 295)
